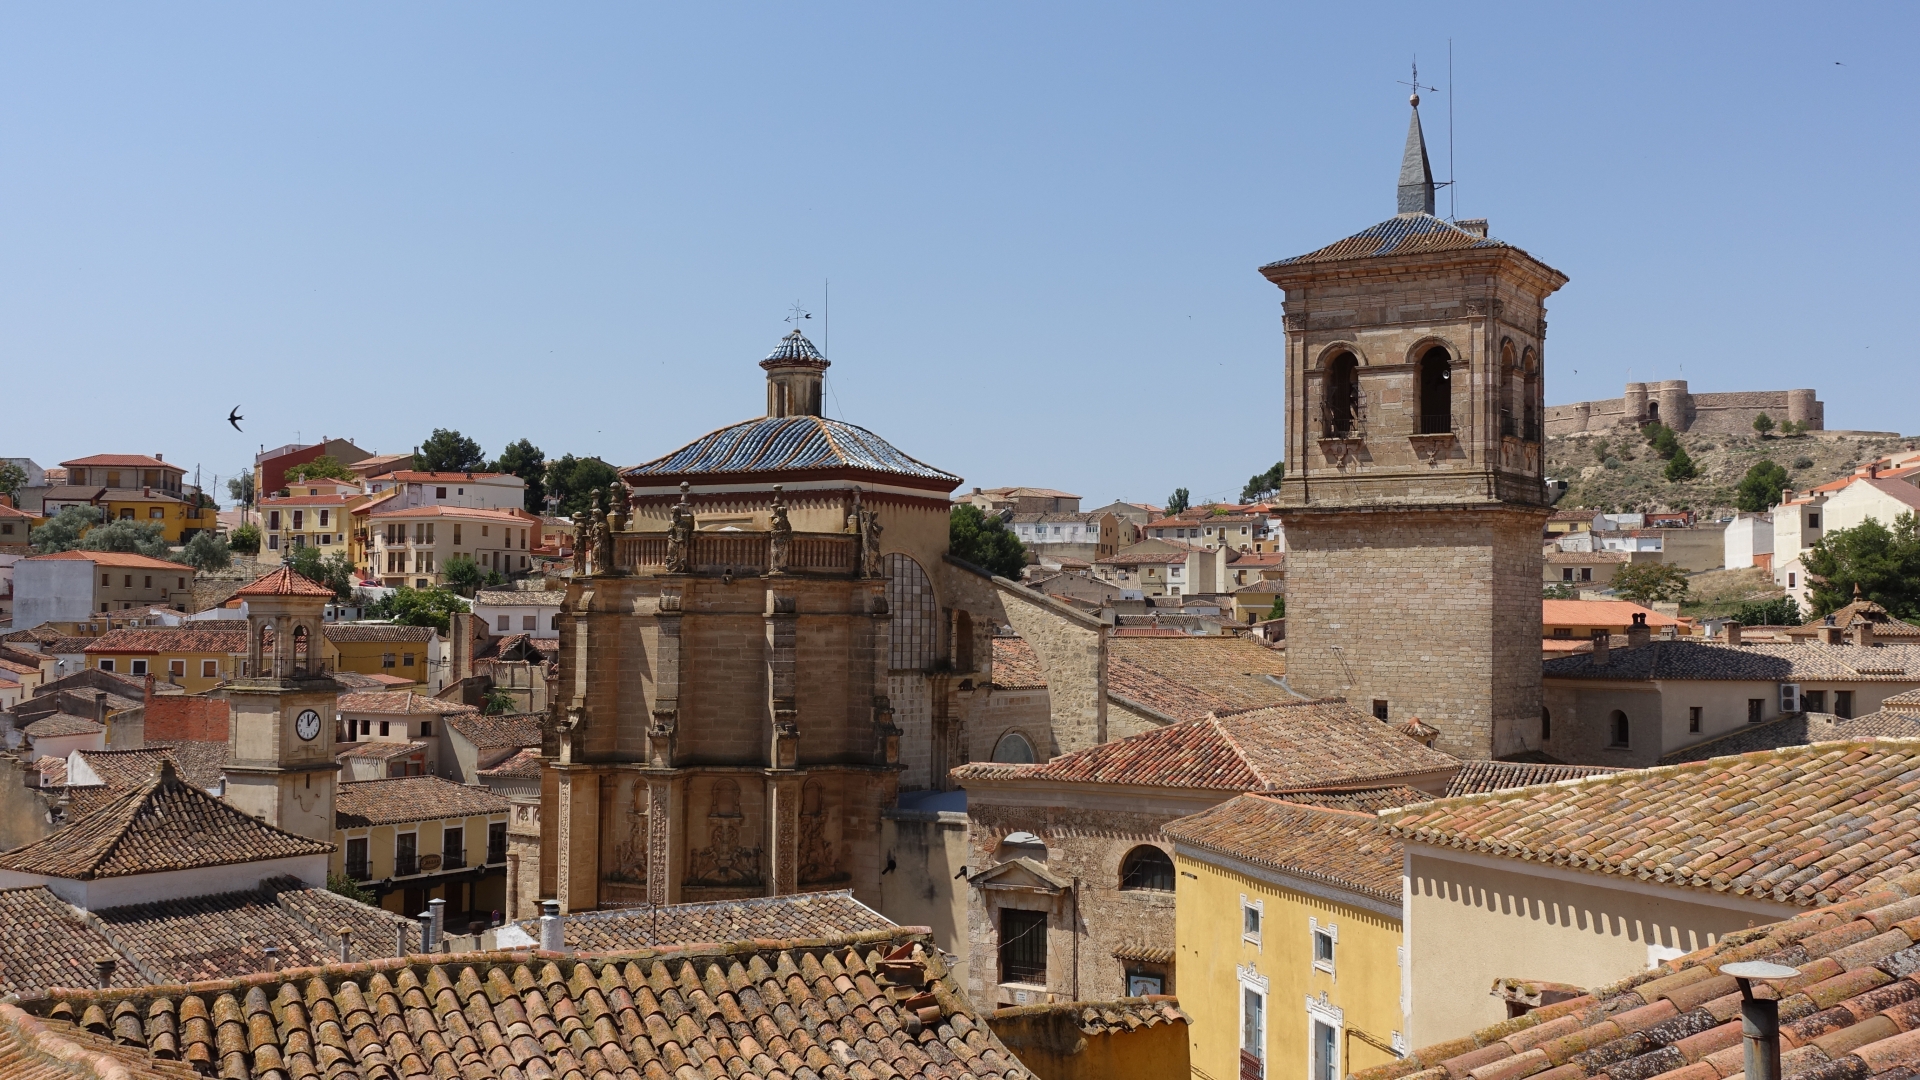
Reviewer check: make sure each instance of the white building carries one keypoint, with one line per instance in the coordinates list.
(1747, 535)
(476, 490)
(519, 611)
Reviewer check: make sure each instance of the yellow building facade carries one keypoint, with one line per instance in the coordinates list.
(1288, 939)
(415, 839)
(197, 658)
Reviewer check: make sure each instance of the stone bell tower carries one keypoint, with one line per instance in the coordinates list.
(1414, 499)
(281, 710)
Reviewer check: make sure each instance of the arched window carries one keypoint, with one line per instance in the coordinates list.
(1013, 749)
(962, 641)
(1343, 396)
(1530, 395)
(1509, 378)
(1023, 845)
(1147, 867)
(1546, 725)
(300, 660)
(1436, 392)
(913, 642)
(1618, 730)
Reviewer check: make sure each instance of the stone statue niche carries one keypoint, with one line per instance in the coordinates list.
(728, 859)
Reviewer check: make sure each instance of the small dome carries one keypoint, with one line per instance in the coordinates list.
(794, 346)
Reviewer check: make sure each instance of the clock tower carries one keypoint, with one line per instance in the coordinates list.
(280, 725)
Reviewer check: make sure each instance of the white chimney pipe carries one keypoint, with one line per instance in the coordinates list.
(553, 936)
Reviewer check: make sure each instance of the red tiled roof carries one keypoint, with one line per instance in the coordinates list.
(1601, 613)
(51, 944)
(283, 582)
(1298, 746)
(1015, 667)
(1340, 847)
(122, 461)
(410, 798)
(123, 559)
(399, 702)
(1187, 676)
(171, 639)
(488, 731)
(801, 916)
(413, 476)
(1852, 1012)
(15, 512)
(524, 763)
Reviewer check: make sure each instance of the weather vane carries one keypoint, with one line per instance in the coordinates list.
(796, 313)
(1415, 83)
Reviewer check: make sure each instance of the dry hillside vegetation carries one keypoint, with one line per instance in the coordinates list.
(1631, 476)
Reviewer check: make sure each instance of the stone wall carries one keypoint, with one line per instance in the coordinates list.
(1672, 404)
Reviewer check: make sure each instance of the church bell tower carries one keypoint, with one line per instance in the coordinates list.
(1414, 499)
(280, 726)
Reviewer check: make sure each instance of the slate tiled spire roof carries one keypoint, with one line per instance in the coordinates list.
(1416, 173)
(786, 444)
(1853, 1013)
(794, 347)
(879, 1004)
(1411, 234)
(1802, 825)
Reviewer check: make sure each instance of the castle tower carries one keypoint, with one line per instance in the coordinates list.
(281, 711)
(1414, 499)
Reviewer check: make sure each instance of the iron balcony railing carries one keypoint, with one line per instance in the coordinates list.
(497, 853)
(406, 865)
(360, 869)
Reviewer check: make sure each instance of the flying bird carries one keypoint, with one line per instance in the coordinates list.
(234, 418)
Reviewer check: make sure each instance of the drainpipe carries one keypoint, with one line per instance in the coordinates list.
(1076, 939)
(1759, 1017)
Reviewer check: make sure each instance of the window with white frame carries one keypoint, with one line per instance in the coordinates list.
(1251, 913)
(1324, 940)
(1323, 1041)
(1253, 1024)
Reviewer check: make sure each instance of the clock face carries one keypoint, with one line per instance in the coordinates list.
(307, 725)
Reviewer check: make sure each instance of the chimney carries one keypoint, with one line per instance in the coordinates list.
(439, 909)
(1638, 633)
(1861, 631)
(272, 953)
(1786, 495)
(1760, 1017)
(1602, 642)
(1476, 226)
(159, 457)
(100, 707)
(400, 939)
(346, 944)
(427, 942)
(1829, 633)
(1733, 632)
(103, 971)
(553, 937)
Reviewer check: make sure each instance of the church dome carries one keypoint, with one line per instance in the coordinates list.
(786, 444)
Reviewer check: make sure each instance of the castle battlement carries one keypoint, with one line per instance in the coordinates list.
(1672, 404)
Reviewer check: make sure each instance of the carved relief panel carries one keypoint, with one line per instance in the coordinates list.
(724, 834)
(624, 833)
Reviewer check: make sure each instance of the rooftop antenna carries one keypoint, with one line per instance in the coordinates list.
(826, 316)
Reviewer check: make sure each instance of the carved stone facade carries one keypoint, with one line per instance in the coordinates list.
(1415, 355)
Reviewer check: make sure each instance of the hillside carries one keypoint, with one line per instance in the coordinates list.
(1633, 480)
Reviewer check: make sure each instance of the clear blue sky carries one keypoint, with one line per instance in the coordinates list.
(582, 223)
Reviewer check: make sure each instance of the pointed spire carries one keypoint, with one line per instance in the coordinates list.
(1416, 176)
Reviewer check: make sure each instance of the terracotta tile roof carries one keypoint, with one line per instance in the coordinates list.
(119, 559)
(1102, 1017)
(1794, 729)
(125, 770)
(207, 937)
(171, 639)
(51, 944)
(1884, 624)
(1850, 1013)
(1015, 667)
(121, 461)
(1263, 587)
(70, 645)
(1404, 234)
(1364, 801)
(283, 582)
(1188, 676)
(410, 798)
(1475, 777)
(355, 680)
(166, 824)
(1297, 746)
(1885, 724)
(487, 731)
(1906, 699)
(1339, 847)
(399, 703)
(1028, 492)
(52, 770)
(59, 724)
(1140, 558)
(1586, 556)
(1801, 825)
(13, 512)
(1601, 613)
(1755, 662)
(878, 1004)
(337, 632)
(200, 762)
(523, 763)
(32, 1052)
(383, 750)
(818, 916)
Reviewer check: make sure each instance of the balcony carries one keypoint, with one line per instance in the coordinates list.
(359, 870)
(406, 865)
(497, 853)
(453, 860)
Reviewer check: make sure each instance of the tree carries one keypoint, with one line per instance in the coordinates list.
(320, 468)
(1760, 489)
(1560, 592)
(245, 540)
(1644, 583)
(12, 478)
(1763, 424)
(984, 540)
(1601, 451)
(342, 885)
(1779, 611)
(574, 481)
(127, 535)
(207, 551)
(1663, 440)
(449, 451)
(498, 701)
(334, 569)
(240, 489)
(418, 607)
(524, 460)
(463, 575)
(1279, 608)
(1883, 562)
(62, 532)
(1177, 502)
(1263, 485)
(1681, 466)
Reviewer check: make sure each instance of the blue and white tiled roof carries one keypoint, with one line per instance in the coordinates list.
(787, 443)
(795, 346)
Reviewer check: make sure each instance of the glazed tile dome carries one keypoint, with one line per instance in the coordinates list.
(787, 444)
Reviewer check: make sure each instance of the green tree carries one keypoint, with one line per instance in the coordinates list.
(498, 701)
(1760, 489)
(1263, 485)
(1279, 610)
(1664, 441)
(1680, 467)
(1882, 562)
(333, 569)
(984, 540)
(574, 481)
(127, 535)
(449, 451)
(1177, 502)
(245, 539)
(62, 532)
(1763, 424)
(463, 575)
(240, 489)
(1560, 592)
(1601, 451)
(207, 551)
(524, 460)
(320, 468)
(1779, 611)
(1644, 583)
(12, 478)
(342, 885)
(419, 607)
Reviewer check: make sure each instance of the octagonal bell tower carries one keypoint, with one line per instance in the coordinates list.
(280, 726)
(1414, 499)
